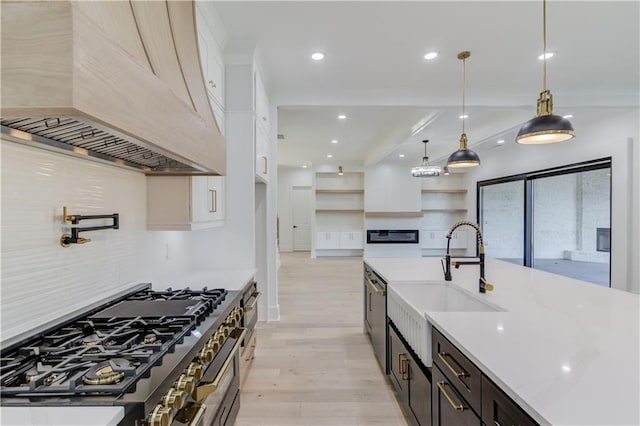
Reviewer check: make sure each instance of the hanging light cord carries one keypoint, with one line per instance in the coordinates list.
(544, 45)
(464, 79)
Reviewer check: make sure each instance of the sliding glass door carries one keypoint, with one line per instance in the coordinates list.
(557, 220)
(571, 212)
(501, 220)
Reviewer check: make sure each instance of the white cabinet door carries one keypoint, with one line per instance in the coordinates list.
(207, 198)
(182, 203)
(262, 152)
(261, 100)
(433, 239)
(351, 240)
(212, 65)
(327, 240)
(459, 239)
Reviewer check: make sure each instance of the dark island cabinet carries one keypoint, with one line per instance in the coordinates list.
(449, 407)
(498, 409)
(463, 395)
(410, 378)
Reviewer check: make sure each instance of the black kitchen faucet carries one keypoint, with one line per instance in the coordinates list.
(483, 285)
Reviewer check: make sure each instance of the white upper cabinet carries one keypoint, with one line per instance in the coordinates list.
(212, 68)
(262, 128)
(185, 203)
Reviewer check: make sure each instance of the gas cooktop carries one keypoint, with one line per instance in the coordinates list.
(107, 352)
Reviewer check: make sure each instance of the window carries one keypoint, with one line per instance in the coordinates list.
(557, 220)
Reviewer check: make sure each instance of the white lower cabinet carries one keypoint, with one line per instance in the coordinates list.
(351, 240)
(327, 240)
(185, 203)
(336, 240)
(437, 239)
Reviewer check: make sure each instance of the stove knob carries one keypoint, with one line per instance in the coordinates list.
(213, 345)
(219, 336)
(185, 383)
(160, 416)
(241, 311)
(173, 399)
(231, 321)
(195, 370)
(224, 331)
(206, 355)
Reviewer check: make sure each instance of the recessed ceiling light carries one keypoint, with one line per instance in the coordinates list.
(317, 56)
(464, 116)
(342, 117)
(329, 155)
(401, 155)
(431, 55)
(567, 116)
(304, 166)
(334, 141)
(547, 55)
(500, 142)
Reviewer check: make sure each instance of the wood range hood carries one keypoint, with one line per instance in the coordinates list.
(116, 80)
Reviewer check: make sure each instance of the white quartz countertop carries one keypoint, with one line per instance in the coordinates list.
(568, 352)
(61, 416)
(230, 279)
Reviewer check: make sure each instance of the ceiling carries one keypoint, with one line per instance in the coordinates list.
(375, 74)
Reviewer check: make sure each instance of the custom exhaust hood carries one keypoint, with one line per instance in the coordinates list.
(115, 81)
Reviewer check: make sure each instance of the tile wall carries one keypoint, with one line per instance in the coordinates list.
(42, 280)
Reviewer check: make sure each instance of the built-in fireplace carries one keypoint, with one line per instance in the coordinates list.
(603, 239)
(392, 236)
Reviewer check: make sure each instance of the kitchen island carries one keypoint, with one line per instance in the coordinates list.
(567, 352)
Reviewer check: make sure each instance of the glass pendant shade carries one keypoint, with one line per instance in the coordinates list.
(425, 169)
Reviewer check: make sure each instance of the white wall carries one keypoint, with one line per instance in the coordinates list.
(614, 136)
(391, 188)
(288, 178)
(41, 280)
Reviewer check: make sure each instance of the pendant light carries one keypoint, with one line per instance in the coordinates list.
(424, 169)
(545, 127)
(446, 171)
(340, 172)
(463, 157)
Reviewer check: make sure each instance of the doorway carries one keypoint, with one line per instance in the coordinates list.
(301, 203)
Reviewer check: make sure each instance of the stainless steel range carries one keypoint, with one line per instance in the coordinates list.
(168, 357)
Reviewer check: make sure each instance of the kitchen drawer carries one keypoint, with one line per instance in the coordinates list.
(499, 409)
(448, 406)
(465, 377)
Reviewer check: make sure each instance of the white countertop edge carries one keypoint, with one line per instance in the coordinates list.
(61, 416)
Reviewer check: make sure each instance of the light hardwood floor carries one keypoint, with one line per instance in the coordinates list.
(315, 366)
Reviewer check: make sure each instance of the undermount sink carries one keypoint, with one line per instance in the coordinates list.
(407, 304)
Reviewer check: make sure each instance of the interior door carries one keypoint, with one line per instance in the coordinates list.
(301, 204)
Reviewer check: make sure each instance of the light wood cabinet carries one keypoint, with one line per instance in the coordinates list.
(185, 203)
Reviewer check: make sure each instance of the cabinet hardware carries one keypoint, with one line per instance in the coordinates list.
(212, 84)
(264, 118)
(253, 305)
(195, 421)
(214, 201)
(457, 407)
(265, 164)
(205, 390)
(379, 291)
(402, 361)
(370, 301)
(442, 356)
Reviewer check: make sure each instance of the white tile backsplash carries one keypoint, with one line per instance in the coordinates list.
(41, 280)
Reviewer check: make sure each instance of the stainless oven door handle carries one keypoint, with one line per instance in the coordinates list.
(195, 421)
(205, 390)
(252, 306)
(379, 291)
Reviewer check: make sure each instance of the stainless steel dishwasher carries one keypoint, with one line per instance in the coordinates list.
(375, 314)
